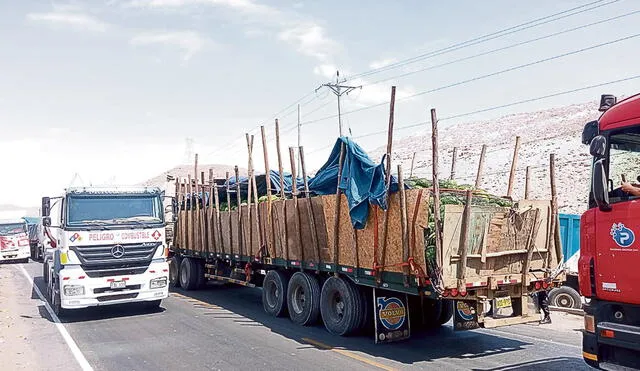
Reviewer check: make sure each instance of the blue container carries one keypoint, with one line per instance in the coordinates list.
(569, 234)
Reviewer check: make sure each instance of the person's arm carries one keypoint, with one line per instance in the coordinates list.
(631, 189)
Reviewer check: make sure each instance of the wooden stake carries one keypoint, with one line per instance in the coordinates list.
(413, 159)
(230, 217)
(464, 242)
(249, 192)
(202, 215)
(311, 215)
(195, 208)
(216, 199)
(336, 219)
(436, 186)
(527, 183)
(189, 208)
(211, 226)
(403, 223)
(555, 232)
(514, 164)
(296, 209)
(283, 195)
(269, 229)
(387, 182)
(239, 200)
(453, 163)
(483, 152)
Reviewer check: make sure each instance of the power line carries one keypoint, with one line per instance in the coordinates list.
(503, 48)
(492, 108)
(481, 77)
(487, 37)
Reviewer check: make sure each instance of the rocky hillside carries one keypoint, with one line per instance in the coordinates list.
(166, 180)
(556, 130)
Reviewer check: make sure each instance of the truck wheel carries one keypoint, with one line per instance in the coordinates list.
(201, 280)
(303, 299)
(45, 271)
(565, 297)
(340, 306)
(446, 312)
(174, 271)
(274, 293)
(188, 274)
(367, 325)
(56, 303)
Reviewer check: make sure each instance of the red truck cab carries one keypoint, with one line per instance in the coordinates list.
(609, 265)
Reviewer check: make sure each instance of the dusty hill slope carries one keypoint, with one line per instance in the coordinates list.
(183, 171)
(556, 130)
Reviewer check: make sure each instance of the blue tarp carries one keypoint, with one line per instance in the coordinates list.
(362, 182)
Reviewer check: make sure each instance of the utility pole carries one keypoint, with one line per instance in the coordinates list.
(339, 90)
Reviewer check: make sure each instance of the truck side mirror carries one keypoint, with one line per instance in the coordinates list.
(598, 146)
(599, 186)
(46, 221)
(46, 206)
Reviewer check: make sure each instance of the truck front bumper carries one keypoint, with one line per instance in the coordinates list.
(21, 253)
(615, 344)
(77, 290)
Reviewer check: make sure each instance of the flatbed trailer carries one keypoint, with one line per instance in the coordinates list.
(483, 272)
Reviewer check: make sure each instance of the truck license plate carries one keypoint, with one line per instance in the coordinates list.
(118, 284)
(504, 302)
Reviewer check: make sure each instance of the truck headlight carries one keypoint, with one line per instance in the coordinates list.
(73, 290)
(158, 283)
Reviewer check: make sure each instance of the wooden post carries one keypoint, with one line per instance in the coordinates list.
(202, 215)
(189, 208)
(387, 182)
(311, 215)
(285, 246)
(269, 230)
(453, 163)
(239, 200)
(413, 159)
(403, 223)
(514, 164)
(195, 209)
(211, 226)
(483, 152)
(436, 187)
(249, 192)
(527, 183)
(182, 215)
(216, 200)
(464, 242)
(555, 231)
(336, 219)
(296, 209)
(229, 212)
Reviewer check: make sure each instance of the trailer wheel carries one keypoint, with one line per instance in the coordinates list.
(446, 312)
(340, 306)
(565, 297)
(201, 280)
(367, 325)
(174, 271)
(188, 274)
(303, 299)
(45, 271)
(274, 293)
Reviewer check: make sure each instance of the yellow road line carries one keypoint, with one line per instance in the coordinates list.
(349, 354)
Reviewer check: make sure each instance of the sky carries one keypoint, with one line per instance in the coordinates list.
(118, 91)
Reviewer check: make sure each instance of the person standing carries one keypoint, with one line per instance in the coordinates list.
(543, 303)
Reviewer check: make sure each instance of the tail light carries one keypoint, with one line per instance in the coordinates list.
(454, 292)
(545, 285)
(463, 293)
(538, 286)
(445, 293)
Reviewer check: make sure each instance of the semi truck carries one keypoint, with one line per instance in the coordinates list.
(107, 247)
(14, 241)
(357, 248)
(609, 252)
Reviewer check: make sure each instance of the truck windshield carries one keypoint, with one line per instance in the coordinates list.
(114, 210)
(624, 156)
(10, 229)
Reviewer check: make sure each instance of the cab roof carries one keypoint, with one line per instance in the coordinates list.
(622, 114)
(107, 190)
(12, 221)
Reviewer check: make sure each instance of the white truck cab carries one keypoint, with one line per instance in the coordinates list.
(14, 240)
(107, 246)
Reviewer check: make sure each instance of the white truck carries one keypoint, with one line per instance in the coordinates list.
(107, 247)
(14, 241)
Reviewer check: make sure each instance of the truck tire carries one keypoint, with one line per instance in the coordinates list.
(188, 274)
(45, 271)
(565, 297)
(201, 280)
(340, 306)
(367, 325)
(303, 299)
(174, 271)
(446, 312)
(274, 293)
(424, 313)
(56, 302)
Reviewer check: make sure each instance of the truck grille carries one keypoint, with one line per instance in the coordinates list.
(98, 261)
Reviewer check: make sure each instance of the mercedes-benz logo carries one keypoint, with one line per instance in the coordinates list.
(117, 251)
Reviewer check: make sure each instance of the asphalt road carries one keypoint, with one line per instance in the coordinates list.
(224, 327)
